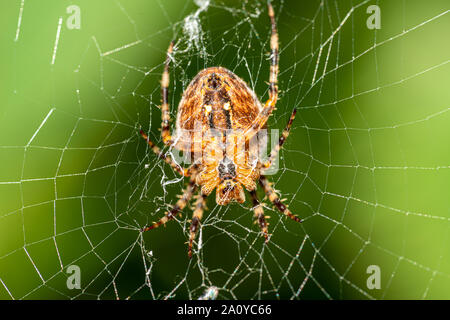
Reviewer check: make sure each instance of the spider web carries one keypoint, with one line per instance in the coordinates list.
(366, 165)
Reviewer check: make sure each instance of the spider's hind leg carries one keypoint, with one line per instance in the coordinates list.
(273, 80)
(273, 197)
(165, 112)
(269, 106)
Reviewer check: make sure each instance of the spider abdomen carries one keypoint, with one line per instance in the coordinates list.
(215, 100)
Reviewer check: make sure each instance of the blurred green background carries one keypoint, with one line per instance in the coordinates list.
(367, 164)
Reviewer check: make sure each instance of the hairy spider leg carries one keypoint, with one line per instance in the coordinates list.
(281, 141)
(200, 206)
(168, 159)
(274, 56)
(269, 106)
(259, 214)
(271, 194)
(165, 113)
(180, 205)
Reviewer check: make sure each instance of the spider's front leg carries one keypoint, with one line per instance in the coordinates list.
(273, 197)
(259, 214)
(200, 206)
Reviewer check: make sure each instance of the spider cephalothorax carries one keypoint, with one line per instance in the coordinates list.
(218, 120)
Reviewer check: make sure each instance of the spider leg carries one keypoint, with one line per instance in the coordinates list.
(168, 159)
(200, 206)
(180, 204)
(259, 214)
(165, 113)
(265, 113)
(271, 194)
(281, 141)
(273, 82)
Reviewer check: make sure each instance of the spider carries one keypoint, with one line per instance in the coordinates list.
(218, 100)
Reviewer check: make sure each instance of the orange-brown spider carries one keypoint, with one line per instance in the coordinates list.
(226, 112)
